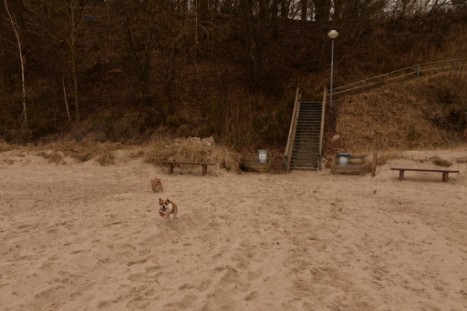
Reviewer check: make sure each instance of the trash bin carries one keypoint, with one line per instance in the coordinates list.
(262, 156)
(343, 158)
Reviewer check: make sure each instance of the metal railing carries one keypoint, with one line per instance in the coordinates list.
(323, 116)
(292, 130)
(408, 72)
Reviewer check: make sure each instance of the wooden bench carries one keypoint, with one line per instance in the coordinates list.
(444, 172)
(171, 164)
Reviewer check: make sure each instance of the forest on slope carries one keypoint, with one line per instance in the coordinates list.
(134, 70)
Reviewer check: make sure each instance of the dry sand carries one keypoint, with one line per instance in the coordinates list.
(80, 236)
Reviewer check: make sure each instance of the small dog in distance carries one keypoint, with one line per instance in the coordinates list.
(156, 185)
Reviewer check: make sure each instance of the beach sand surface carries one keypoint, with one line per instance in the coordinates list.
(81, 236)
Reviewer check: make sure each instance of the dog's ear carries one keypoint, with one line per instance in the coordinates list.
(160, 201)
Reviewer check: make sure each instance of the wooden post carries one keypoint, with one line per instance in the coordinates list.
(401, 175)
(374, 164)
(171, 168)
(445, 176)
(323, 116)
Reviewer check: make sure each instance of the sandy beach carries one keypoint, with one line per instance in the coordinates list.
(81, 236)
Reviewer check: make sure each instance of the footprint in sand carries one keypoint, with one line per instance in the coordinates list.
(251, 296)
(186, 302)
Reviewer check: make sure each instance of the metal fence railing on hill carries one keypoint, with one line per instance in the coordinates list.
(415, 71)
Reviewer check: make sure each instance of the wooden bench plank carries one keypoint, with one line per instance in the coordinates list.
(424, 170)
(445, 173)
(171, 165)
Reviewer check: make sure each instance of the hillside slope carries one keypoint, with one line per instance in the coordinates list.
(429, 112)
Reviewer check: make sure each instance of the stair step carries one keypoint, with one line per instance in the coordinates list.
(306, 147)
(309, 144)
(303, 167)
(306, 158)
(305, 153)
(308, 164)
(311, 162)
(308, 131)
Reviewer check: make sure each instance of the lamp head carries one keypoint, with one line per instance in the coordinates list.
(333, 34)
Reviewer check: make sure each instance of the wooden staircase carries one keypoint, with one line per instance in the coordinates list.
(303, 150)
(306, 153)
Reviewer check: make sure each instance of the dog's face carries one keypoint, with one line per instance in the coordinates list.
(163, 204)
(167, 208)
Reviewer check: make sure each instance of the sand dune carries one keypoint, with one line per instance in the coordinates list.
(80, 236)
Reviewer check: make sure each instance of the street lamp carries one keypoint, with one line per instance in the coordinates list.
(332, 35)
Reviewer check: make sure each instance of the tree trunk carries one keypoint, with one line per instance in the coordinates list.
(322, 10)
(284, 8)
(66, 99)
(73, 61)
(304, 9)
(21, 58)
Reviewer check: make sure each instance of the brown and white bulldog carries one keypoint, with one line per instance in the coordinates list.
(167, 208)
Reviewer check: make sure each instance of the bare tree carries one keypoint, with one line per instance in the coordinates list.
(59, 20)
(322, 10)
(15, 27)
(304, 9)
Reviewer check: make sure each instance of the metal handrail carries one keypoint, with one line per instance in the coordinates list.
(292, 130)
(407, 71)
(323, 116)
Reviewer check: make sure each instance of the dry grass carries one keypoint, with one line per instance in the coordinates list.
(85, 151)
(80, 151)
(106, 158)
(52, 156)
(183, 150)
(384, 156)
(441, 162)
(192, 150)
(398, 116)
(4, 146)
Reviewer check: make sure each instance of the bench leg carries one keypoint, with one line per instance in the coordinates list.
(204, 170)
(171, 169)
(401, 175)
(445, 176)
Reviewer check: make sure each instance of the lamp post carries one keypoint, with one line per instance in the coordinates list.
(332, 35)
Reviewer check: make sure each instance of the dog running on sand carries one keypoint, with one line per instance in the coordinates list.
(167, 208)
